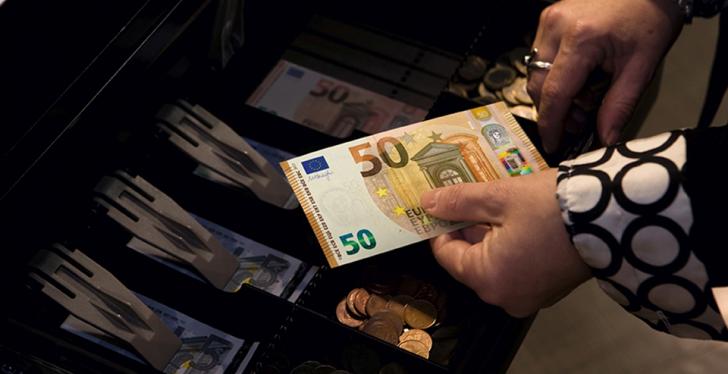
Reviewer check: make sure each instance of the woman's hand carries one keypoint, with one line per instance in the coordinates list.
(518, 254)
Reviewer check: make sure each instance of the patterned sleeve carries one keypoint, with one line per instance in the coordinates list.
(646, 217)
(708, 8)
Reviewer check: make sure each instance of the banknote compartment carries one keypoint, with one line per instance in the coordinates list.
(249, 314)
(106, 122)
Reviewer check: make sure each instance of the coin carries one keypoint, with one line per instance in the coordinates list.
(360, 301)
(376, 304)
(472, 68)
(415, 347)
(485, 100)
(515, 57)
(302, 369)
(381, 329)
(509, 93)
(419, 335)
(359, 358)
(324, 369)
(397, 304)
(394, 320)
(392, 368)
(427, 292)
(525, 111)
(420, 314)
(350, 303)
(499, 77)
(486, 97)
(520, 86)
(458, 89)
(342, 314)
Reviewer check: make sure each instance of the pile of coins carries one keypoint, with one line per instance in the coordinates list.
(399, 320)
(503, 80)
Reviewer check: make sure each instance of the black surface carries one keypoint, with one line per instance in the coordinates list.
(79, 128)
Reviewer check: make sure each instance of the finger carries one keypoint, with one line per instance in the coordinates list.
(622, 97)
(451, 252)
(472, 202)
(564, 81)
(547, 40)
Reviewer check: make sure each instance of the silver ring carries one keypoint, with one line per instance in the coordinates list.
(531, 63)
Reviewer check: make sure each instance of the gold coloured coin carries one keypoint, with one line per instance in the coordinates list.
(420, 314)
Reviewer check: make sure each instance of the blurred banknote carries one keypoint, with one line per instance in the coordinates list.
(362, 198)
(260, 266)
(327, 104)
(204, 350)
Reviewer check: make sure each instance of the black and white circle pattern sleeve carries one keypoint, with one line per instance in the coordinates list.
(629, 218)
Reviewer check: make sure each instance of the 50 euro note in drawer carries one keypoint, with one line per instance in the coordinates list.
(362, 198)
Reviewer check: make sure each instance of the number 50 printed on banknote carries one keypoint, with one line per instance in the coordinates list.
(362, 198)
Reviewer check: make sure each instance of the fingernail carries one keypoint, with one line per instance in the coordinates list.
(612, 137)
(429, 199)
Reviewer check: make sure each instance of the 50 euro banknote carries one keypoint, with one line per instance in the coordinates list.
(362, 198)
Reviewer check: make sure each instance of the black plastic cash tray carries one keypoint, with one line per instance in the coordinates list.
(104, 121)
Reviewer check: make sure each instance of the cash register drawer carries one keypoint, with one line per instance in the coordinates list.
(102, 119)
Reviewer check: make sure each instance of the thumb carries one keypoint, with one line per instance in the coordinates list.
(473, 202)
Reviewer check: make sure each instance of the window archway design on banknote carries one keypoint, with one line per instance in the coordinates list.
(435, 159)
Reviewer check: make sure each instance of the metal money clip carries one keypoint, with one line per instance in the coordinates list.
(93, 295)
(162, 227)
(214, 145)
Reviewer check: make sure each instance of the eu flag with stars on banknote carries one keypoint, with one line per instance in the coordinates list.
(315, 164)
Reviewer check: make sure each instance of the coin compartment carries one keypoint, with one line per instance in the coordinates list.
(311, 337)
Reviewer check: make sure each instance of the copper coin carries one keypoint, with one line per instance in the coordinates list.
(382, 329)
(376, 304)
(420, 314)
(360, 301)
(351, 300)
(415, 347)
(391, 318)
(344, 317)
(419, 335)
(397, 304)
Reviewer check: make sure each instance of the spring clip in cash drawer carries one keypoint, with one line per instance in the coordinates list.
(223, 155)
(93, 295)
(163, 228)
